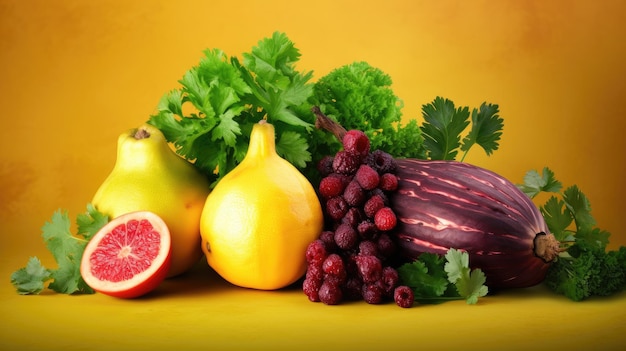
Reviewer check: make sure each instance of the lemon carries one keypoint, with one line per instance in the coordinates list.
(258, 220)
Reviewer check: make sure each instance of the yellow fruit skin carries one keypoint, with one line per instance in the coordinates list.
(259, 219)
(149, 176)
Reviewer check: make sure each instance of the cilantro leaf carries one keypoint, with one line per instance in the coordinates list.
(90, 222)
(593, 236)
(438, 278)
(425, 276)
(66, 249)
(214, 94)
(579, 205)
(469, 283)
(456, 265)
(486, 129)
(30, 279)
(442, 128)
(59, 240)
(294, 147)
(558, 218)
(535, 183)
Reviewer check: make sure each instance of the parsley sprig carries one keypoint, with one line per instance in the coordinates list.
(67, 250)
(437, 278)
(585, 268)
(210, 117)
(444, 125)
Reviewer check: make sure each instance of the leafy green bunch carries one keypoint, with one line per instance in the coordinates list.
(210, 117)
(67, 250)
(359, 96)
(585, 268)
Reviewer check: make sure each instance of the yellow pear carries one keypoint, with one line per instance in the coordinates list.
(149, 176)
(259, 219)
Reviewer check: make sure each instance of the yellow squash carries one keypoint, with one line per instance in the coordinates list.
(259, 219)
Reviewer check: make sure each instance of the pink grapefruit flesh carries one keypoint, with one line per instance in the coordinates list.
(129, 256)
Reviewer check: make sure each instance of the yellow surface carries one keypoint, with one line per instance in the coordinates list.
(74, 74)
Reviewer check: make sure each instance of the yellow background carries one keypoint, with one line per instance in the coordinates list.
(75, 74)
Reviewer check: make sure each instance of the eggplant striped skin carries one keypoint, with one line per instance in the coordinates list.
(449, 204)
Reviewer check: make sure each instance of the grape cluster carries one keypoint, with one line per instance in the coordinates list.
(352, 258)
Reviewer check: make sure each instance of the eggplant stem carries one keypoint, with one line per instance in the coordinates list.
(324, 122)
(546, 246)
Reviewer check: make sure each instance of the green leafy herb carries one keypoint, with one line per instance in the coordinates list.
(469, 283)
(486, 129)
(535, 183)
(435, 278)
(209, 119)
(30, 279)
(67, 250)
(359, 96)
(585, 268)
(444, 124)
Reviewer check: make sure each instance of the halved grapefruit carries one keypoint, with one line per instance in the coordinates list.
(129, 256)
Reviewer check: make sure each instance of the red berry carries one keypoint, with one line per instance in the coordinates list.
(379, 192)
(368, 248)
(325, 166)
(328, 238)
(389, 280)
(310, 287)
(331, 186)
(353, 217)
(370, 268)
(330, 293)
(385, 245)
(385, 219)
(314, 272)
(356, 142)
(389, 182)
(372, 293)
(333, 266)
(367, 177)
(315, 252)
(367, 229)
(372, 205)
(381, 161)
(354, 194)
(345, 236)
(403, 296)
(345, 162)
(336, 207)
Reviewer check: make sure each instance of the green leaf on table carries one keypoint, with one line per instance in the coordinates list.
(30, 279)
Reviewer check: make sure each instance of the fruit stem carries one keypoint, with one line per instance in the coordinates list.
(546, 247)
(324, 122)
(141, 133)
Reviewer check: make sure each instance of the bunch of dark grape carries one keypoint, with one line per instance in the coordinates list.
(352, 258)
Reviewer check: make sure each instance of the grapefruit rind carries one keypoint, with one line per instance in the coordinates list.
(141, 283)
